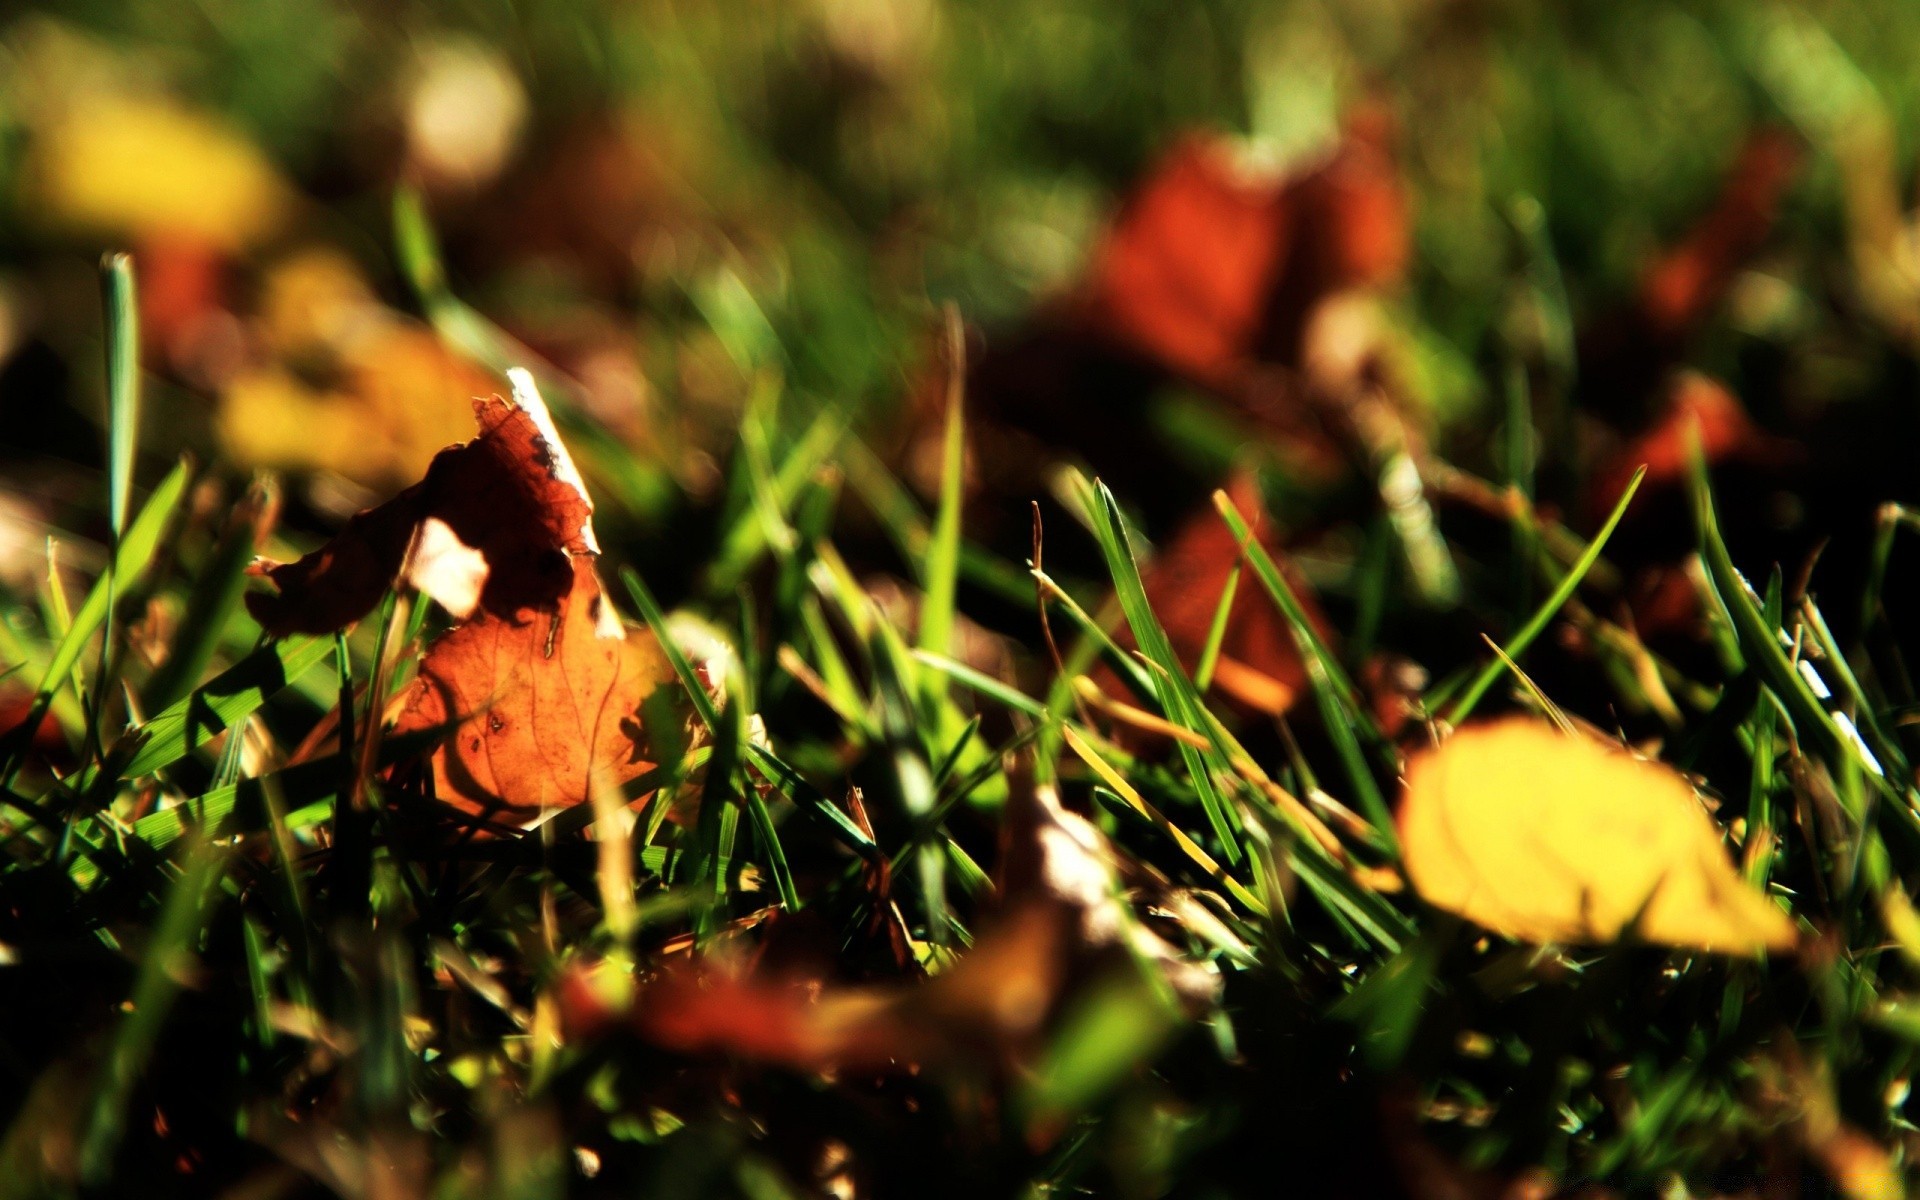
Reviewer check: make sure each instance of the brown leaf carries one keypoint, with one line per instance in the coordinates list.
(511, 496)
(1063, 921)
(542, 672)
(551, 701)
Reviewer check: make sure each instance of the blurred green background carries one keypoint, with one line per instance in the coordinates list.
(662, 198)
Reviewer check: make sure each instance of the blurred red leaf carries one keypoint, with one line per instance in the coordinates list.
(1682, 285)
(1209, 274)
(1626, 354)
(1694, 406)
(1206, 268)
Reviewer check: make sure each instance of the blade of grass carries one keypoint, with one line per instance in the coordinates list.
(167, 960)
(1343, 714)
(940, 572)
(136, 551)
(1171, 686)
(1217, 628)
(123, 385)
(187, 724)
(1543, 616)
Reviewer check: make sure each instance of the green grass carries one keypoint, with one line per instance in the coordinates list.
(243, 952)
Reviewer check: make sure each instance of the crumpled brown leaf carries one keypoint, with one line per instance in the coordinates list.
(547, 681)
(511, 496)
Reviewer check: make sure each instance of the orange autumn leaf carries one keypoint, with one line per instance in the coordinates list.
(1546, 836)
(551, 703)
(545, 679)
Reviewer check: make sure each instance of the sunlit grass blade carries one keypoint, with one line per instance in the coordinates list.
(682, 669)
(123, 385)
(210, 710)
(1343, 711)
(1217, 628)
(1209, 867)
(1170, 685)
(1543, 616)
(131, 559)
(770, 500)
(940, 572)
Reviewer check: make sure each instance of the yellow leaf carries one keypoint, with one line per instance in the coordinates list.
(127, 167)
(1548, 837)
(394, 394)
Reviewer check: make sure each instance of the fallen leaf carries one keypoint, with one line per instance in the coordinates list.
(1064, 922)
(547, 680)
(148, 167)
(1626, 354)
(1209, 266)
(344, 384)
(1682, 285)
(1210, 274)
(1549, 837)
(551, 704)
(512, 496)
(1694, 406)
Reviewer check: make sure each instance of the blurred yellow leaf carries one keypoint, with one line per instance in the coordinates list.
(148, 167)
(270, 418)
(375, 395)
(1549, 837)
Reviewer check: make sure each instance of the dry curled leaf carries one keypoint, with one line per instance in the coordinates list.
(546, 680)
(497, 521)
(1551, 837)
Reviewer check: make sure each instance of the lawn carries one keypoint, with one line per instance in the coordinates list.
(921, 597)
